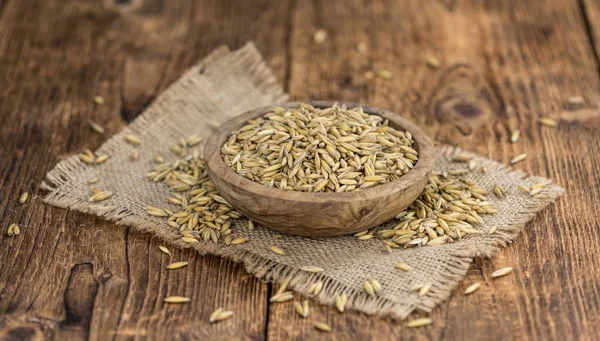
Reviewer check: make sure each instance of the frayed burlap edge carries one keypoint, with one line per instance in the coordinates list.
(272, 271)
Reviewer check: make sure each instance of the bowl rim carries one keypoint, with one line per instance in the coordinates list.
(217, 167)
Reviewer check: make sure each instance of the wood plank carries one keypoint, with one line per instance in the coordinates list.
(504, 64)
(71, 275)
(590, 11)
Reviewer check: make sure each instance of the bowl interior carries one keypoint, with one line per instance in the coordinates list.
(422, 144)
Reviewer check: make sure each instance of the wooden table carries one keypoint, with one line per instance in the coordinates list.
(504, 64)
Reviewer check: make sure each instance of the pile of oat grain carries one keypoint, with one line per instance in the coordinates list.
(308, 149)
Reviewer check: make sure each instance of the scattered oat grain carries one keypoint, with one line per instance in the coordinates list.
(433, 62)
(315, 289)
(424, 289)
(368, 288)
(548, 122)
(277, 250)
(238, 241)
(282, 297)
(538, 185)
(403, 266)
(420, 322)
(501, 272)
(159, 159)
(471, 288)
(311, 268)
(515, 136)
(100, 196)
(177, 299)
(301, 309)
(219, 315)
(164, 249)
(472, 164)
(320, 36)
(535, 191)
(102, 158)
(11, 229)
(96, 127)
(283, 286)
(176, 265)
(376, 286)
(190, 240)
(499, 191)
(86, 158)
(133, 139)
(322, 327)
(340, 302)
(518, 158)
(23, 197)
(98, 100)
(193, 140)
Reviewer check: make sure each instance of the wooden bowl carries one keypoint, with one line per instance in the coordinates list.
(319, 214)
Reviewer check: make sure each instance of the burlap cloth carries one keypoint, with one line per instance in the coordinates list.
(226, 84)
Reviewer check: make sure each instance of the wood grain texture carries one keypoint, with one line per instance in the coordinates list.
(319, 214)
(503, 65)
(74, 276)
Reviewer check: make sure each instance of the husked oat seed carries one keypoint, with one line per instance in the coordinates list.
(176, 265)
(502, 272)
(403, 266)
(515, 136)
(316, 288)
(433, 62)
(311, 268)
(548, 122)
(177, 299)
(277, 250)
(340, 302)
(471, 288)
(98, 100)
(96, 127)
(302, 309)
(322, 326)
(23, 198)
(518, 158)
(320, 36)
(420, 322)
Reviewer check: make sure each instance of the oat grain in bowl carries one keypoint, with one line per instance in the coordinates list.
(308, 149)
